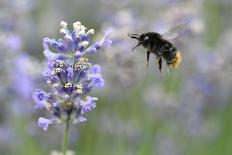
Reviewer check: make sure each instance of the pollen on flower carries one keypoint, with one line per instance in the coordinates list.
(79, 88)
(56, 85)
(82, 64)
(68, 85)
(49, 82)
(58, 70)
(83, 60)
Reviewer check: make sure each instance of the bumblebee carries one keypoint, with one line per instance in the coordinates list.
(159, 45)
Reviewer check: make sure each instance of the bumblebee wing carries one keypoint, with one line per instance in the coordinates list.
(174, 32)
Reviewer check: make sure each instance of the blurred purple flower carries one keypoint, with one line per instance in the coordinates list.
(14, 42)
(23, 81)
(204, 85)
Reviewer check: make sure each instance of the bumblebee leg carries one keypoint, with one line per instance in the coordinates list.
(160, 64)
(148, 57)
(159, 61)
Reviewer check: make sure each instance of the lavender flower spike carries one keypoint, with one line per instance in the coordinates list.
(70, 75)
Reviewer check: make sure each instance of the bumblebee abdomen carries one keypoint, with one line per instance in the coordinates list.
(168, 51)
(171, 55)
(176, 60)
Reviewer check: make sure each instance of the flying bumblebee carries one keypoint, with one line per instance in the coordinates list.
(160, 45)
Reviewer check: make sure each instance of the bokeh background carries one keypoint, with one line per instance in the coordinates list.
(187, 111)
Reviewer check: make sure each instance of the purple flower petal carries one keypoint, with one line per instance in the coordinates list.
(96, 80)
(39, 98)
(105, 40)
(82, 119)
(46, 42)
(53, 43)
(61, 56)
(95, 69)
(91, 50)
(70, 73)
(88, 105)
(44, 123)
(77, 54)
(49, 55)
(14, 42)
(79, 120)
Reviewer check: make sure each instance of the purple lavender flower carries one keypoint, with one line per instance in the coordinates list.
(70, 75)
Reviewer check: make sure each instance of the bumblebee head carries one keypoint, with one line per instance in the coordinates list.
(135, 36)
(143, 39)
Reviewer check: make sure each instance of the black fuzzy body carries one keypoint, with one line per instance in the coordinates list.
(159, 46)
(163, 49)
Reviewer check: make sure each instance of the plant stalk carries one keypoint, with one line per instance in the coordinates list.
(66, 138)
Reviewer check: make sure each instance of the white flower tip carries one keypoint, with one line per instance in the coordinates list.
(91, 31)
(81, 32)
(77, 26)
(83, 27)
(63, 31)
(85, 43)
(63, 24)
(77, 23)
